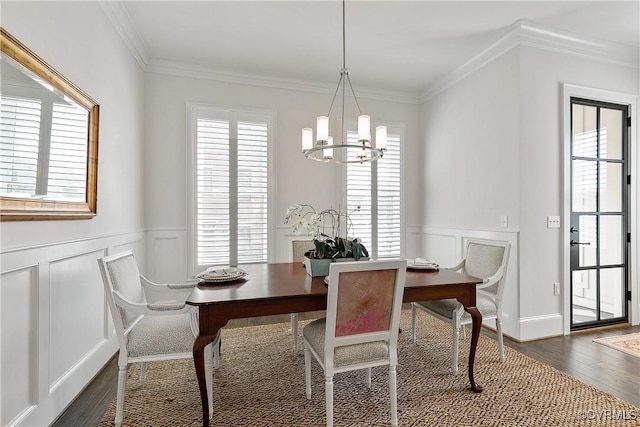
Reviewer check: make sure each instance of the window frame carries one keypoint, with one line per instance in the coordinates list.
(398, 128)
(194, 110)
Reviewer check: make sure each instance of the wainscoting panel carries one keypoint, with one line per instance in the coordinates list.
(19, 305)
(77, 312)
(166, 256)
(413, 242)
(443, 249)
(56, 329)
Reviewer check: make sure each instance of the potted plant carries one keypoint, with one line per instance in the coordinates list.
(325, 229)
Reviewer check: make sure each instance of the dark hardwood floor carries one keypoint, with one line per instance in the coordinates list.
(609, 370)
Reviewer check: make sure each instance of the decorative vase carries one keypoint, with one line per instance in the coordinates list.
(320, 267)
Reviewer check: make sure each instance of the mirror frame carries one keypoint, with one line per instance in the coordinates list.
(21, 209)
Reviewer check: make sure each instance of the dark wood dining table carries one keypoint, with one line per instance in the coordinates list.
(270, 289)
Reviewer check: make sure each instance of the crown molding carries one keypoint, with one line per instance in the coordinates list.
(127, 30)
(526, 33)
(186, 69)
(535, 35)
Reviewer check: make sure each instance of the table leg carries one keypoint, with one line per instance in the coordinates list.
(476, 318)
(198, 359)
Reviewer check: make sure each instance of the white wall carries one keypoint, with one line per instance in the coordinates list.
(493, 147)
(470, 164)
(55, 327)
(298, 180)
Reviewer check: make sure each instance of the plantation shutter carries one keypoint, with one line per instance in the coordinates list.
(212, 192)
(375, 187)
(388, 185)
(359, 195)
(68, 153)
(252, 192)
(19, 141)
(231, 191)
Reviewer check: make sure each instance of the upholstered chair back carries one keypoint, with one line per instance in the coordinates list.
(299, 247)
(484, 259)
(124, 277)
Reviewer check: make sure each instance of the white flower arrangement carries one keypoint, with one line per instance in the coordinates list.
(303, 217)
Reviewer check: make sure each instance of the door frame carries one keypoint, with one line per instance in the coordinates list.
(569, 91)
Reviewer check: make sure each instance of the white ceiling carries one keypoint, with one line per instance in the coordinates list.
(398, 46)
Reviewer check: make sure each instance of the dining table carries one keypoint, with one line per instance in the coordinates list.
(282, 288)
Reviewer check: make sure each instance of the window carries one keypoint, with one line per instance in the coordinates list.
(373, 193)
(229, 186)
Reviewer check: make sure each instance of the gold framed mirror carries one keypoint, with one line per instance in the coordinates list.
(48, 140)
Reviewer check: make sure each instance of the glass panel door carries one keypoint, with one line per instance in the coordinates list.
(598, 213)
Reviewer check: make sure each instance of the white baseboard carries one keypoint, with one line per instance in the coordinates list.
(536, 327)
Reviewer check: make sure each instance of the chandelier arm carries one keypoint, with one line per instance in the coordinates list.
(335, 94)
(354, 95)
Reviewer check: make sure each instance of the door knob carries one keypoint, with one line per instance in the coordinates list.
(573, 230)
(573, 243)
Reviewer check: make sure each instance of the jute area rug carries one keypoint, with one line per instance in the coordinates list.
(261, 383)
(628, 343)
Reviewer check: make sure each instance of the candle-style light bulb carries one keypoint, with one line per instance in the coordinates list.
(328, 152)
(381, 137)
(322, 130)
(307, 139)
(364, 128)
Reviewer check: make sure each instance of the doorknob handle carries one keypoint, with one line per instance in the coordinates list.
(573, 243)
(573, 230)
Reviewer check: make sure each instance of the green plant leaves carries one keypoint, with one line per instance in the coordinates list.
(340, 248)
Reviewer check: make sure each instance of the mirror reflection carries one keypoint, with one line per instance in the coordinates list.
(43, 138)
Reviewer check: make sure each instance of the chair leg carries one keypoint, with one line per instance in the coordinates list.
(328, 387)
(294, 330)
(393, 392)
(208, 374)
(369, 378)
(500, 338)
(464, 332)
(454, 362)
(143, 372)
(122, 383)
(307, 371)
(413, 323)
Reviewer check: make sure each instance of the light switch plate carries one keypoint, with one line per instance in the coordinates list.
(553, 221)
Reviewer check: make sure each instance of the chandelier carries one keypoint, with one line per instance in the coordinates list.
(325, 150)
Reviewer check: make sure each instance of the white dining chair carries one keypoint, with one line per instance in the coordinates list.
(152, 322)
(360, 331)
(484, 260)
